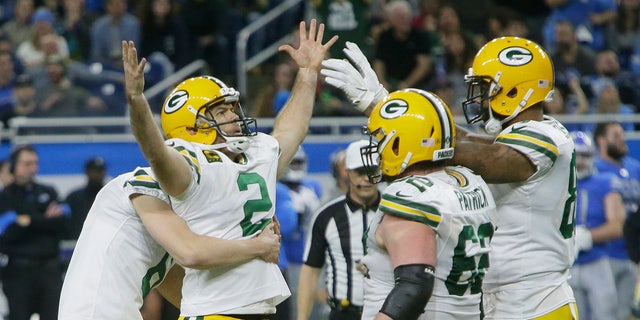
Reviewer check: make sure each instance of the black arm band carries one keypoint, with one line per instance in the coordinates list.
(412, 290)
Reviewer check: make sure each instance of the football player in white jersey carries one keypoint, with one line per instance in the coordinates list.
(429, 242)
(221, 174)
(116, 261)
(529, 159)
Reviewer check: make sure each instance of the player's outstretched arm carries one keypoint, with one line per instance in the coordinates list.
(355, 78)
(197, 251)
(170, 168)
(292, 123)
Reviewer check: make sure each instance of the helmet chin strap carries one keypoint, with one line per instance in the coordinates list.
(493, 126)
(233, 144)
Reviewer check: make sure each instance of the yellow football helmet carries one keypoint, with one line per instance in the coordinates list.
(513, 74)
(186, 108)
(407, 127)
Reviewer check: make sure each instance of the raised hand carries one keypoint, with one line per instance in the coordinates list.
(311, 51)
(133, 71)
(361, 85)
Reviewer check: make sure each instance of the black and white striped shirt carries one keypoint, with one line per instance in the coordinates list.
(336, 240)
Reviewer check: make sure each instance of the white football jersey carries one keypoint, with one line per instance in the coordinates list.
(231, 201)
(533, 243)
(116, 261)
(459, 206)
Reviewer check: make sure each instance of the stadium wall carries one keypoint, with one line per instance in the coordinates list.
(62, 164)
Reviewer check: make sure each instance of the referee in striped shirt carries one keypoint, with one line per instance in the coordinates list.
(336, 240)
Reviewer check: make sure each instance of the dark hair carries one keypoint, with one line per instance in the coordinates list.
(601, 128)
(15, 153)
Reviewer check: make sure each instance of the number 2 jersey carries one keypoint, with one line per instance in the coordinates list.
(459, 206)
(115, 261)
(231, 200)
(533, 243)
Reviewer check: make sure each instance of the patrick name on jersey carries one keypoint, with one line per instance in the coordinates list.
(472, 200)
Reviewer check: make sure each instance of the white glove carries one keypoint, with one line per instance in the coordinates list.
(361, 86)
(583, 239)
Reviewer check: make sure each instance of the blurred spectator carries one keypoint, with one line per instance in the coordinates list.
(61, 98)
(602, 15)
(516, 27)
(566, 101)
(7, 76)
(626, 31)
(613, 157)
(349, 19)
(449, 24)
(475, 13)
(108, 32)
(402, 57)
(44, 42)
(6, 177)
(427, 17)
(19, 28)
(570, 58)
(273, 97)
(600, 215)
(6, 10)
(164, 31)
(589, 18)
(608, 70)
(608, 102)
(24, 102)
(77, 29)
(32, 279)
(206, 24)
(459, 51)
(81, 199)
(532, 13)
(6, 46)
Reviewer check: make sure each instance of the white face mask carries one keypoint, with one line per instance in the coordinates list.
(233, 144)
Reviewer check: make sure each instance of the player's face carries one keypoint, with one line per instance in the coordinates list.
(360, 186)
(616, 142)
(226, 117)
(27, 165)
(584, 164)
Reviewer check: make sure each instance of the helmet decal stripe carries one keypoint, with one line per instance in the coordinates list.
(443, 117)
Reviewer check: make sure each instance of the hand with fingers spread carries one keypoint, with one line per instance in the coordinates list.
(133, 70)
(361, 85)
(311, 51)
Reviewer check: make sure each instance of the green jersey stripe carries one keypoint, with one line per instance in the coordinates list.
(549, 153)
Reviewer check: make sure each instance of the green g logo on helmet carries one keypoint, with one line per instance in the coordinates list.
(515, 56)
(393, 109)
(176, 101)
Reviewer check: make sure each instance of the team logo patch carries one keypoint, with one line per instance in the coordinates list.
(211, 156)
(393, 109)
(176, 101)
(515, 56)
